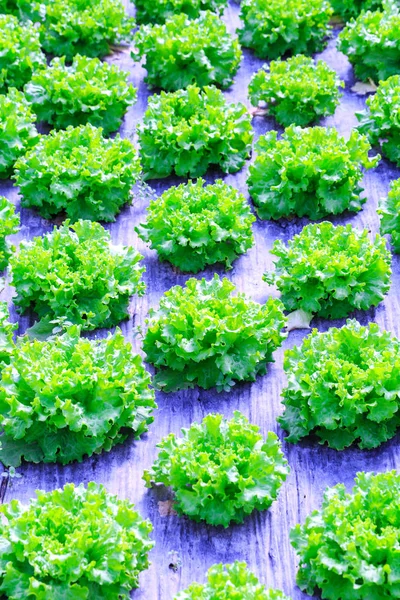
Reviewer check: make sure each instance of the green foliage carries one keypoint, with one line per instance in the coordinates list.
(203, 335)
(20, 53)
(381, 121)
(75, 274)
(88, 91)
(372, 43)
(9, 7)
(73, 543)
(297, 91)
(273, 28)
(87, 27)
(225, 580)
(344, 386)
(160, 11)
(330, 271)
(389, 211)
(6, 336)
(220, 470)
(17, 129)
(9, 224)
(80, 172)
(311, 172)
(183, 52)
(349, 548)
(187, 131)
(68, 397)
(352, 8)
(193, 226)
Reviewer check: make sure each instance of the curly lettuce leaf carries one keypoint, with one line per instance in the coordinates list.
(9, 224)
(160, 11)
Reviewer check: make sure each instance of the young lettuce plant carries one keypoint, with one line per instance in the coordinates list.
(203, 335)
(80, 172)
(349, 548)
(220, 470)
(312, 172)
(381, 122)
(372, 43)
(338, 384)
(76, 275)
(389, 211)
(72, 543)
(193, 225)
(18, 133)
(330, 271)
(296, 91)
(88, 91)
(160, 11)
(224, 580)
(69, 397)
(347, 9)
(9, 224)
(187, 131)
(272, 28)
(182, 52)
(6, 337)
(20, 53)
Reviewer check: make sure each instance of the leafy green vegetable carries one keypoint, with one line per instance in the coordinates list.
(309, 172)
(372, 43)
(69, 397)
(76, 274)
(226, 581)
(9, 7)
(192, 226)
(389, 211)
(87, 27)
(9, 224)
(344, 386)
(330, 271)
(273, 28)
(88, 91)
(160, 11)
(220, 470)
(6, 335)
(187, 131)
(381, 122)
(17, 129)
(73, 543)
(350, 547)
(20, 53)
(203, 335)
(296, 90)
(183, 52)
(352, 8)
(78, 171)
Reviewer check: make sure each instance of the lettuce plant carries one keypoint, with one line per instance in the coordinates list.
(17, 129)
(349, 548)
(347, 9)
(389, 211)
(87, 27)
(220, 470)
(9, 7)
(6, 336)
(75, 274)
(193, 226)
(330, 271)
(311, 172)
(182, 52)
(372, 43)
(273, 28)
(225, 580)
(380, 122)
(203, 335)
(9, 224)
(80, 172)
(296, 90)
(88, 91)
(20, 53)
(68, 397)
(344, 386)
(160, 11)
(72, 543)
(187, 131)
